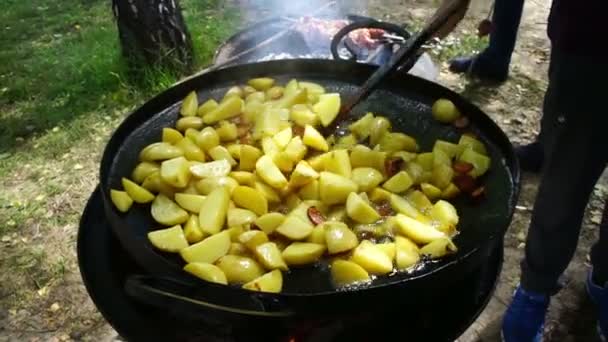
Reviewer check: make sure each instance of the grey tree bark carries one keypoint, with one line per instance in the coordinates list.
(153, 32)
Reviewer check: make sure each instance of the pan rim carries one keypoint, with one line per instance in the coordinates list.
(170, 94)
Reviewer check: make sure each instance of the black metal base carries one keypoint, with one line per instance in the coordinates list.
(104, 266)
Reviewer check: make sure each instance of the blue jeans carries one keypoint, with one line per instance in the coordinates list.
(506, 19)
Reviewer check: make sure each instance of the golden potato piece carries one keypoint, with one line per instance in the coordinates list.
(121, 200)
(212, 215)
(269, 222)
(334, 189)
(206, 107)
(399, 183)
(186, 122)
(327, 108)
(347, 273)
(407, 253)
(228, 108)
(243, 177)
(302, 174)
(361, 128)
(339, 238)
(168, 240)
(268, 192)
(143, 170)
(209, 250)
(191, 150)
(261, 83)
(248, 157)
(207, 272)
(192, 231)
(314, 139)
(318, 235)
(379, 127)
(379, 195)
(439, 248)
(416, 230)
(190, 202)
(445, 111)
(338, 162)
(216, 168)
(359, 210)
(372, 258)
(363, 156)
(239, 269)
(480, 162)
(237, 248)
(393, 142)
(207, 138)
(302, 115)
(171, 135)
(250, 198)
(283, 138)
(389, 248)
(154, 183)
(310, 191)
(137, 193)
(238, 217)
(445, 213)
(253, 238)
(167, 212)
(206, 185)
(296, 150)
(270, 173)
(175, 172)
(160, 151)
(367, 178)
(190, 105)
(270, 256)
(221, 153)
(303, 253)
(431, 191)
(294, 228)
(270, 282)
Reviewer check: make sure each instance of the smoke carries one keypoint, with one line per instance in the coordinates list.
(299, 8)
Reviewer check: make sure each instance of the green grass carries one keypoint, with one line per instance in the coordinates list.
(61, 60)
(461, 45)
(64, 87)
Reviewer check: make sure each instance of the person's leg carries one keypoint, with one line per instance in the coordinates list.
(493, 63)
(573, 138)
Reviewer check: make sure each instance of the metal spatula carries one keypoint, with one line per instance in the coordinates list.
(443, 21)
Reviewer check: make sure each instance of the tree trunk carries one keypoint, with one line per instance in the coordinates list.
(153, 32)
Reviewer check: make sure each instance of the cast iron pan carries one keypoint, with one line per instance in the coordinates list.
(105, 266)
(404, 99)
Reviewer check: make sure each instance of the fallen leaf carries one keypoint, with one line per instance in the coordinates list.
(43, 291)
(521, 236)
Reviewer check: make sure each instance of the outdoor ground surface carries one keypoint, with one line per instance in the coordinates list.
(63, 91)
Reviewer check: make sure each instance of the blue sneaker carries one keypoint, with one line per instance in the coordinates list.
(525, 318)
(599, 295)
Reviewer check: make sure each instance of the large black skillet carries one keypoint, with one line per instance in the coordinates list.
(406, 101)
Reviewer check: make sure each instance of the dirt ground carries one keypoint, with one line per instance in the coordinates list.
(34, 309)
